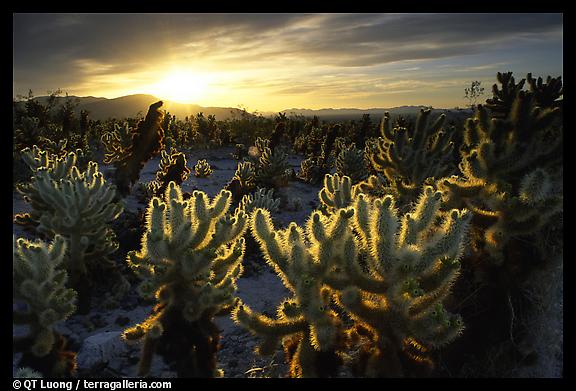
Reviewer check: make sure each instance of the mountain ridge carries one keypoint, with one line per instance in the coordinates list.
(101, 108)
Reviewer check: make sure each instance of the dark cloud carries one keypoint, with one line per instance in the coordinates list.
(57, 47)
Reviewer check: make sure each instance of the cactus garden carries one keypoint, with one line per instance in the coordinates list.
(420, 245)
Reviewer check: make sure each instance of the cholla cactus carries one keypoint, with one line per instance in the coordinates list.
(190, 259)
(172, 167)
(351, 162)
(336, 194)
(501, 103)
(240, 152)
(243, 181)
(375, 186)
(41, 285)
(306, 325)
(78, 206)
(245, 173)
(511, 174)
(407, 157)
(390, 274)
(411, 263)
(546, 94)
(272, 165)
(314, 168)
(202, 169)
(262, 198)
(116, 142)
(56, 167)
(310, 171)
(146, 141)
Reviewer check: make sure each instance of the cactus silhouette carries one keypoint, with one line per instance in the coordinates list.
(145, 142)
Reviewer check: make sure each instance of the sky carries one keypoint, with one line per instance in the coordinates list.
(272, 62)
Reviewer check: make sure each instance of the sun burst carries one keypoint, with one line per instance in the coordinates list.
(182, 87)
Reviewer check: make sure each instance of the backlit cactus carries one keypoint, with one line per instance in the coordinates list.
(408, 156)
(336, 194)
(172, 167)
(389, 273)
(78, 206)
(190, 259)
(511, 176)
(306, 325)
(116, 142)
(351, 163)
(39, 281)
(271, 166)
(55, 167)
(243, 182)
(261, 198)
(396, 299)
(202, 169)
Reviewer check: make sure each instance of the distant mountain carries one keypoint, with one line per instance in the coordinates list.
(351, 113)
(132, 105)
(347, 114)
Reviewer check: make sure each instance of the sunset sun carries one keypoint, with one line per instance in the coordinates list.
(182, 87)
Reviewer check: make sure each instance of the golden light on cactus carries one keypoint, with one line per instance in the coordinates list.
(182, 86)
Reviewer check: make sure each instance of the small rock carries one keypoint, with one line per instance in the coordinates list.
(100, 349)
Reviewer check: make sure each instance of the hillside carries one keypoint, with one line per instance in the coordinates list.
(131, 105)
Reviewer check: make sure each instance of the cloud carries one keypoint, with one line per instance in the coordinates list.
(286, 54)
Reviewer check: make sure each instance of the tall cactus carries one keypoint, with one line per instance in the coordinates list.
(146, 141)
(190, 259)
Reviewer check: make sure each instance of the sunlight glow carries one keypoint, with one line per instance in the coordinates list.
(182, 87)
